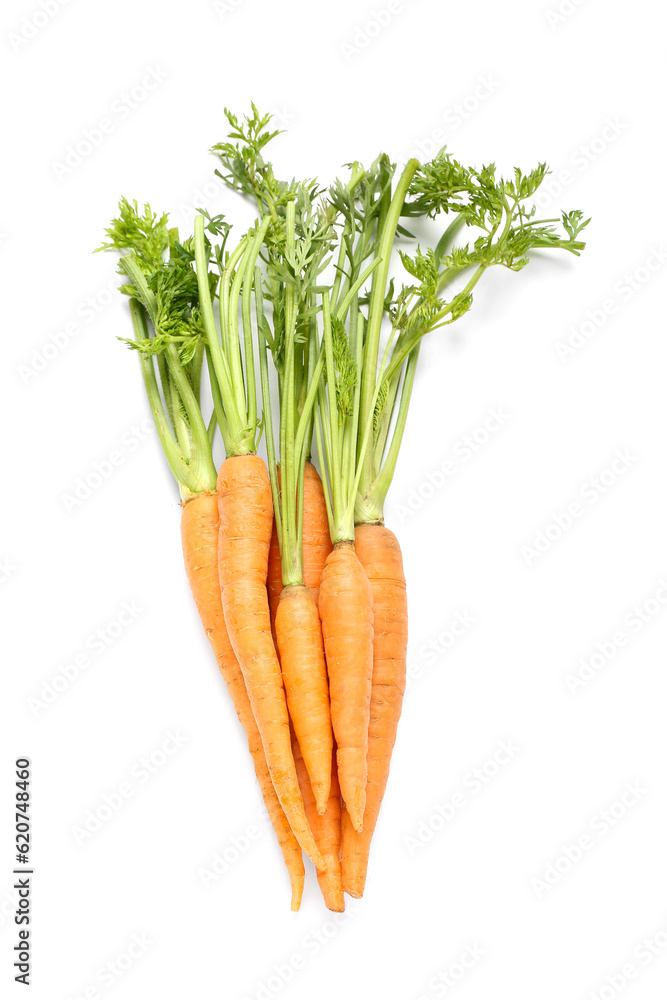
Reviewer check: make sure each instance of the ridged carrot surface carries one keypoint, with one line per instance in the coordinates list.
(299, 640)
(199, 534)
(246, 517)
(380, 555)
(346, 610)
(327, 831)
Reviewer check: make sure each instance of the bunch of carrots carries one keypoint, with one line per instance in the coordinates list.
(298, 582)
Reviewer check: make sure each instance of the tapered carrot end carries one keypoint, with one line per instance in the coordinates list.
(321, 793)
(297, 893)
(356, 807)
(331, 886)
(353, 886)
(335, 901)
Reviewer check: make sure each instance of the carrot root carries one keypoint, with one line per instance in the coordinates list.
(346, 610)
(299, 639)
(246, 516)
(199, 534)
(380, 555)
(327, 831)
(316, 539)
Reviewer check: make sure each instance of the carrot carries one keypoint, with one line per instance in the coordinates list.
(274, 577)
(186, 441)
(297, 625)
(299, 638)
(199, 535)
(327, 831)
(362, 384)
(246, 514)
(299, 641)
(316, 539)
(245, 508)
(380, 555)
(346, 609)
(345, 602)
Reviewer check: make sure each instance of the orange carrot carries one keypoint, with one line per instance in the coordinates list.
(380, 555)
(246, 515)
(316, 539)
(274, 578)
(199, 534)
(327, 831)
(299, 640)
(346, 610)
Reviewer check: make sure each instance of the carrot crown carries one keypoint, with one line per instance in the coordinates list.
(297, 255)
(231, 365)
(168, 336)
(345, 344)
(499, 211)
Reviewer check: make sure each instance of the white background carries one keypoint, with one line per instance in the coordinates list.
(533, 86)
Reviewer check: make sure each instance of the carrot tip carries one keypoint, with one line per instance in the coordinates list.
(355, 893)
(356, 807)
(297, 880)
(336, 905)
(321, 810)
(332, 891)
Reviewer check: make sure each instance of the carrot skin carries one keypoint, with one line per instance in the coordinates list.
(274, 578)
(301, 650)
(316, 538)
(246, 516)
(346, 610)
(327, 831)
(199, 535)
(380, 555)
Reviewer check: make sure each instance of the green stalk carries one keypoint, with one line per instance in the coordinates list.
(370, 507)
(235, 422)
(247, 321)
(351, 429)
(341, 312)
(165, 381)
(291, 551)
(194, 370)
(210, 430)
(267, 414)
(306, 418)
(180, 425)
(190, 480)
(401, 352)
(201, 461)
(228, 302)
(387, 233)
(340, 530)
(218, 408)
